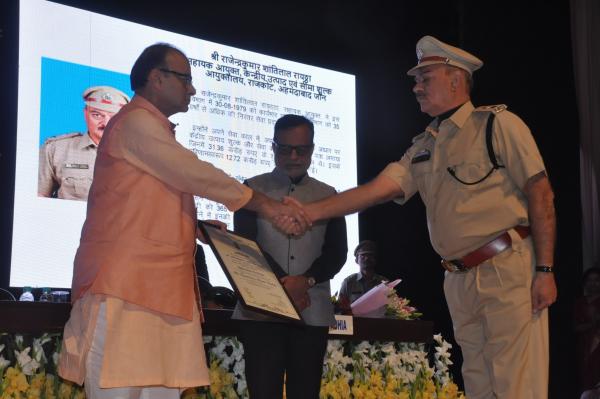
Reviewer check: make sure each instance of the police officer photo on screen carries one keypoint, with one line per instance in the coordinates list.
(66, 166)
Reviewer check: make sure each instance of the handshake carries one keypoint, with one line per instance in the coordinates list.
(290, 216)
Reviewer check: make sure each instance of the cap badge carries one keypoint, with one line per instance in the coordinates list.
(419, 54)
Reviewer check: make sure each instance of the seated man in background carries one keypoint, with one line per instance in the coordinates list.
(355, 285)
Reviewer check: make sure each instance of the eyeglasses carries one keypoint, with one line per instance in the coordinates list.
(366, 255)
(284, 149)
(184, 77)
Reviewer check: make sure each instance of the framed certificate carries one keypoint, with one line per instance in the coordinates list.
(249, 273)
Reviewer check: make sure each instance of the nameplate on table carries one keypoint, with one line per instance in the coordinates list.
(343, 325)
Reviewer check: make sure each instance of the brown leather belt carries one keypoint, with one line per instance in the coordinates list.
(484, 253)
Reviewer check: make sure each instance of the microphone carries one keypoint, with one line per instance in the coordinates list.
(8, 292)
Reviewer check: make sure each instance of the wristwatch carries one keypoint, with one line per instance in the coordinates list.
(544, 269)
(311, 281)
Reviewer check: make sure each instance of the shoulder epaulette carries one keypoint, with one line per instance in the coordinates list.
(63, 136)
(496, 109)
(419, 137)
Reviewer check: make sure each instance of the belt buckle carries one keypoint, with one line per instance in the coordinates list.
(454, 266)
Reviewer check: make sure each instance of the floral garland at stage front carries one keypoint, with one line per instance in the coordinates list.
(350, 370)
(28, 369)
(365, 370)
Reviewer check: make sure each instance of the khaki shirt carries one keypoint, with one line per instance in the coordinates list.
(356, 285)
(462, 218)
(66, 166)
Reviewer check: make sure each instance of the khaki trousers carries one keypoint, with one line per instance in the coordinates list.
(504, 345)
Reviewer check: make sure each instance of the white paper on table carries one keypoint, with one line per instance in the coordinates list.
(372, 303)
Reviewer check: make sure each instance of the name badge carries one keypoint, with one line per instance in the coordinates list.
(77, 166)
(421, 156)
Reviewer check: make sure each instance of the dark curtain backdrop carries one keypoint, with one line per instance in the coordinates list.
(585, 31)
(527, 50)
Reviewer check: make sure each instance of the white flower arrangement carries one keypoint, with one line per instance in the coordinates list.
(442, 359)
(350, 370)
(28, 365)
(26, 373)
(386, 370)
(230, 354)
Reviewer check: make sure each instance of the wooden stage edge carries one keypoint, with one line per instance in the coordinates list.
(40, 317)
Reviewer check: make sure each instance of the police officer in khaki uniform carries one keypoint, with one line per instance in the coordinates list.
(491, 218)
(66, 165)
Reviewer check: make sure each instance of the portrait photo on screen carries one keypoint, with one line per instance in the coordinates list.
(73, 117)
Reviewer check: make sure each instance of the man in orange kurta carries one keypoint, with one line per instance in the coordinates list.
(134, 330)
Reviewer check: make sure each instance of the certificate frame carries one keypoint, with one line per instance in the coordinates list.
(249, 273)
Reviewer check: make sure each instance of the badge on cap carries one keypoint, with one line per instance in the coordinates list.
(432, 51)
(105, 98)
(419, 54)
